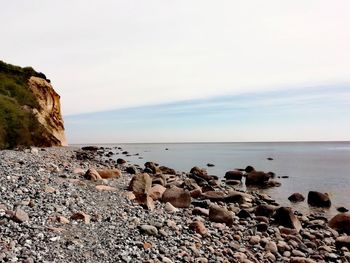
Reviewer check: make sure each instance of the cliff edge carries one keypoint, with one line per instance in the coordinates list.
(30, 110)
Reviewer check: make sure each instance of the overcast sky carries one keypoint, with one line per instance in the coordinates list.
(108, 55)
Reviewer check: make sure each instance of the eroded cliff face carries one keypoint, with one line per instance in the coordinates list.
(49, 113)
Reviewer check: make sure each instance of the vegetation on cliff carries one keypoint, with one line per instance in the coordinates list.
(18, 125)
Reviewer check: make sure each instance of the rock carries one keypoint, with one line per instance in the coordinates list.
(296, 197)
(105, 188)
(265, 210)
(341, 223)
(196, 193)
(159, 179)
(257, 178)
(140, 185)
(81, 216)
(92, 174)
(210, 165)
(109, 173)
(244, 214)
(156, 192)
(273, 183)
(34, 150)
(271, 246)
(198, 227)
(262, 227)
(284, 216)
(20, 216)
(301, 260)
(220, 215)
(342, 209)
(131, 170)
(201, 173)
(249, 169)
(342, 241)
(152, 167)
(214, 196)
(254, 240)
(90, 148)
(170, 208)
(62, 220)
(233, 175)
(177, 197)
(150, 230)
(200, 211)
(78, 171)
(233, 182)
(167, 170)
(269, 158)
(121, 161)
(318, 199)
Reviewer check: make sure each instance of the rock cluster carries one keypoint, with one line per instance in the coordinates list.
(59, 205)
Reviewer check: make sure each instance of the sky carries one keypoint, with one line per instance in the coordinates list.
(154, 71)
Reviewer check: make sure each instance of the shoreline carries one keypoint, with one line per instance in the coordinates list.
(68, 218)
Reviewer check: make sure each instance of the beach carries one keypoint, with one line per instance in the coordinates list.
(72, 205)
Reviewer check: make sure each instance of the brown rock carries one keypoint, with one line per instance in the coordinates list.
(177, 197)
(341, 223)
(201, 173)
(81, 216)
(140, 185)
(301, 260)
(130, 195)
(105, 188)
(198, 227)
(159, 179)
(265, 210)
(167, 170)
(109, 173)
(156, 192)
(318, 199)
(220, 215)
(20, 216)
(257, 178)
(200, 211)
(234, 175)
(152, 167)
(342, 241)
(196, 193)
(62, 220)
(78, 171)
(49, 189)
(296, 197)
(121, 161)
(214, 196)
(92, 174)
(284, 216)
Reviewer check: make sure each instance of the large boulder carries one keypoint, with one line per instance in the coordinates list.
(234, 175)
(257, 178)
(220, 215)
(318, 199)
(284, 216)
(341, 223)
(140, 185)
(177, 197)
(109, 173)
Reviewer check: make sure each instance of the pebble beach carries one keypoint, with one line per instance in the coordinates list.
(72, 205)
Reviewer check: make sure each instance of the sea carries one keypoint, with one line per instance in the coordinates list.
(305, 166)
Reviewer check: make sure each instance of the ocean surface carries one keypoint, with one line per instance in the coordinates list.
(319, 166)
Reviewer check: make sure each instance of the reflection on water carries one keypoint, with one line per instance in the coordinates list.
(319, 166)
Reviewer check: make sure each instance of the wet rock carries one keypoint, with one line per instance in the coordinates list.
(121, 161)
(341, 223)
(257, 178)
(152, 167)
(265, 210)
(249, 169)
(342, 209)
(90, 148)
(233, 175)
(284, 216)
(220, 215)
(210, 165)
(296, 197)
(201, 173)
(262, 227)
(318, 199)
(244, 214)
(177, 197)
(131, 170)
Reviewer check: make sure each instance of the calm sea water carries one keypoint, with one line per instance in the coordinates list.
(320, 166)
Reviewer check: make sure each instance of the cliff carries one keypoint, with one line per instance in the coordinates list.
(30, 111)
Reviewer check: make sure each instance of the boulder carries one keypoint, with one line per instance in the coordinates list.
(131, 170)
(257, 178)
(200, 211)
(318, 199)
(341, 223)
(220, 215)
(167, 170)
(210, 164)
(233, 175)
(156, 192)
(265, 210)
(284, 216)
(120, 161)
(140, 185)
(92, 174)
(201, 173)
(177, 197)
(110, 173)
(249, 169)
(152, 167)
(296, 197)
